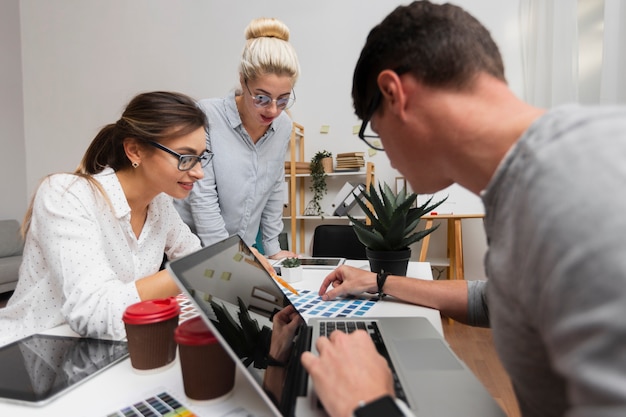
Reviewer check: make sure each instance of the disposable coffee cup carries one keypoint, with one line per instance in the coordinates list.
(208, 371)
(150, 329)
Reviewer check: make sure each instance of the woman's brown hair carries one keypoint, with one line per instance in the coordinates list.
(152, 116)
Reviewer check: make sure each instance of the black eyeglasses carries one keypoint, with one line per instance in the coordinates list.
(369, 139)
(282, 103)
(186, 162)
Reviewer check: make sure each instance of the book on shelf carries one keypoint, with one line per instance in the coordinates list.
(301, 167)
(349, 163)
(349, 166)
(350, 154)
(354, 164)
(351, 160)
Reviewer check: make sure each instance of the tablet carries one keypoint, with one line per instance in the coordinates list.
(39, 368)
(319, 263)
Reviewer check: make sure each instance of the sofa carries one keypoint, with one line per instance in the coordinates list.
(11, 246)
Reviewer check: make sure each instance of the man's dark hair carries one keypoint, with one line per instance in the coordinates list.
(441, 45)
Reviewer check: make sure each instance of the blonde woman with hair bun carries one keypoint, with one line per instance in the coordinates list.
(249, 130)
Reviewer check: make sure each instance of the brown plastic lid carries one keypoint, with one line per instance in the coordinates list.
(194, 332)
(151, 311)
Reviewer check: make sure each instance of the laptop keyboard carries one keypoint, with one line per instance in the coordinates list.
(327, 327)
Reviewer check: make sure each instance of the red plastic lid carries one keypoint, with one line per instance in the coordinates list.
(151, 311)
(194, 332)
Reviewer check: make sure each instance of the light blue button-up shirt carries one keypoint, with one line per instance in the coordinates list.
(242, 188)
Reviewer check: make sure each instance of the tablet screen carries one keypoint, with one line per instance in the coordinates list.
(319, 263)
(39, 367)
(329, 262)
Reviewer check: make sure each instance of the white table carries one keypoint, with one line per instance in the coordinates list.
(390, 307)
(121, 385)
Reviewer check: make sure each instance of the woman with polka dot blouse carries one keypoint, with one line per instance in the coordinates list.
(95, 239)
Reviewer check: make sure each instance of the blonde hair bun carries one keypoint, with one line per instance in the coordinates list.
(268, 51)
(267, 27)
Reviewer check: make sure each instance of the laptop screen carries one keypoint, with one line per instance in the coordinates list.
(251, 313)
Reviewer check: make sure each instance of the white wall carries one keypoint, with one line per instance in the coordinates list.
(12, 155)
(83, 60)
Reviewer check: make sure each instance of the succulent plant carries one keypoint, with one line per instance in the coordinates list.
(392, 219)
(290, 263)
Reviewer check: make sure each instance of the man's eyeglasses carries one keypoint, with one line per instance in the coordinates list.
(282, 103)
(370, 139)
(186, 162)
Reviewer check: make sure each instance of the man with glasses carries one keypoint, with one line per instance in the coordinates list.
(242, 191)
(430, 82)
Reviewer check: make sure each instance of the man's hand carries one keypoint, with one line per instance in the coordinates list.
(348, 370)
(347, 280)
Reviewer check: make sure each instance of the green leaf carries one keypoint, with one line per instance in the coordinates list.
(230, 329)
(393, 220)
(419, 235)
(250, 328)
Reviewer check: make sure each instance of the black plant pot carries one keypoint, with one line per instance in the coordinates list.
(393, 262)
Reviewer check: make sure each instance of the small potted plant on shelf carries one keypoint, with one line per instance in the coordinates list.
(318, 181)
(392, 227)
(291, 269)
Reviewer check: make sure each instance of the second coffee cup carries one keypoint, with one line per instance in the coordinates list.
(208, 371)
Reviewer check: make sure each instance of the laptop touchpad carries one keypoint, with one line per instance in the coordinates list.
(425, 355)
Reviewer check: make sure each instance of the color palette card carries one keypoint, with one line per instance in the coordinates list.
(187, 309)
(309, 304)
(165, 405)
(160, 405)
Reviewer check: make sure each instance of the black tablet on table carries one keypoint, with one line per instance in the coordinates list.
(319, 263)
(39, 368)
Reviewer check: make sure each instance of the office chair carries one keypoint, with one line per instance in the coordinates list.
(337, 241)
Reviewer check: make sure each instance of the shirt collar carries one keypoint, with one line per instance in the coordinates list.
(111, 185)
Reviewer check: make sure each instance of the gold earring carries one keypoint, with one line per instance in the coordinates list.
(135, 164)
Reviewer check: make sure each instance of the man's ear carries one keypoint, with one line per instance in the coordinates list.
(390, 86)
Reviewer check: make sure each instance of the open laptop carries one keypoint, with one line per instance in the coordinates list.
(232, 291)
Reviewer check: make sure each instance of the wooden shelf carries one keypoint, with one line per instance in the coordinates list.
(303, 217)
(297, 189)
(332, 174)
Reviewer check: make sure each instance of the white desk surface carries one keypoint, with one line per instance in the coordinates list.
(122, 386)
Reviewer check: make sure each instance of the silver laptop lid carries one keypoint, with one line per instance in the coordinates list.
(251, 316)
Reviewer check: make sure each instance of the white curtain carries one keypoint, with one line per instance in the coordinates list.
(573, 51)
(613, 81)
(549, 51)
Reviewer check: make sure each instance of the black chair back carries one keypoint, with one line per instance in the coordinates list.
(337, 241)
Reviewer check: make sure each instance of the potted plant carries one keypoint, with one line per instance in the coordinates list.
(291, 269)
(318, 181)
(391, 228)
